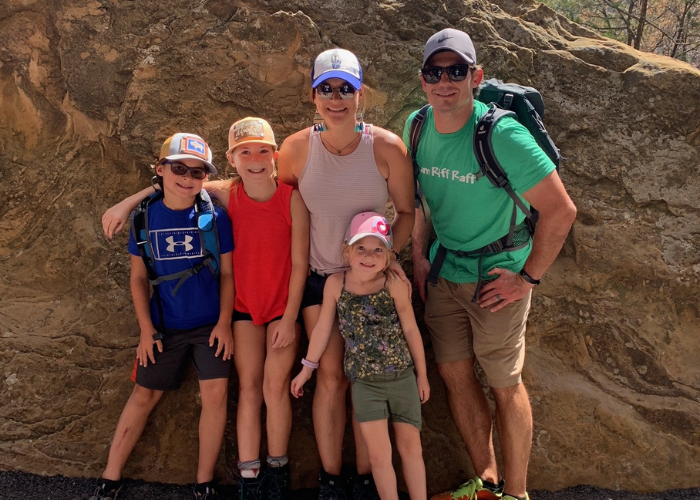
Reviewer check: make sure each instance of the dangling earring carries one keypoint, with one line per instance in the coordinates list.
(359, 124)
(319, 126)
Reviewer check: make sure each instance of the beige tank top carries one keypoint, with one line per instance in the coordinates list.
(335, 189)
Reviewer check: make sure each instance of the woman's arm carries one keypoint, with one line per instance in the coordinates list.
(284, 334)
(292, 157)
(394, 163)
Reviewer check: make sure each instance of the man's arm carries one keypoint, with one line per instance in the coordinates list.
(557, 214)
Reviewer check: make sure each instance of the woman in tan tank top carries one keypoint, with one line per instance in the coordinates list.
(342, 168)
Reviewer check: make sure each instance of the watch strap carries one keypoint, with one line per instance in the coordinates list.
(529, 278)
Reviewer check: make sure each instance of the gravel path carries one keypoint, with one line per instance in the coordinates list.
(20, 485)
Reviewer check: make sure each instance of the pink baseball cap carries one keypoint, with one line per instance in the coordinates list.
(369, 224)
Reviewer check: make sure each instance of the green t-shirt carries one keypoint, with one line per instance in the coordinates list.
(467, 211)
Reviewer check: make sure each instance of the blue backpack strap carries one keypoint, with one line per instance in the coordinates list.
(206, 223)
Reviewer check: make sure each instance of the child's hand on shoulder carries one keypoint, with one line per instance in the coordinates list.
(145, 352)
(423, 388)
(224, 339)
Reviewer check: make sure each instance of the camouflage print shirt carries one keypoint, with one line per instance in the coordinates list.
(374, 341)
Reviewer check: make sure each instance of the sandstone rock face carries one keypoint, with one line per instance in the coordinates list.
(89, 90)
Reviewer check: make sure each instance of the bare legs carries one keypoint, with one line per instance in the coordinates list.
(473, 418)
(329, 403)
(472, 415)
(263, 375)
(135, 415)
(514, 420)
(131, 423)
(376, 435)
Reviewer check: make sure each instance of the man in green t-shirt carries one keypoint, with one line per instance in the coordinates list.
(468, 213)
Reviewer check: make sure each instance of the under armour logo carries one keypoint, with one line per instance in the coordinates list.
(440, 40)
(172, 243)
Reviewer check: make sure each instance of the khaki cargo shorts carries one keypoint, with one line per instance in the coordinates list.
(460, 330)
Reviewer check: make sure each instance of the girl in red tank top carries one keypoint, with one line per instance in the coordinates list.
(270, 262)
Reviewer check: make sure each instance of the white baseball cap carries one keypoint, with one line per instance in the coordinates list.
(337, 63)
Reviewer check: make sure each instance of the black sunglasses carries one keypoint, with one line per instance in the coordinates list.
(346, 91)
(456, 73)
(181, 169)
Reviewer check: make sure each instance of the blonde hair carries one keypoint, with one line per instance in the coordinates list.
(351, 248)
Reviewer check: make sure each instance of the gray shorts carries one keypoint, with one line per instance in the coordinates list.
(384, 395)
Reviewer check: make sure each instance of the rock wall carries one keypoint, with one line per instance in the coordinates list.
(88, 91)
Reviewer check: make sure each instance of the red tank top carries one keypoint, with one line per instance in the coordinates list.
(262, 252)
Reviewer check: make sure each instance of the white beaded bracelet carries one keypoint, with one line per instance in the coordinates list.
(309, 364)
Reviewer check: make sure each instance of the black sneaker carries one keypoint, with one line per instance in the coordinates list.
(205, 491)
(275, 483)
(331, 487)
(107, 490)
(249, 488)
(364, 488)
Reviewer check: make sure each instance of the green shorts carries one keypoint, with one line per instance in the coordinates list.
(384, 395)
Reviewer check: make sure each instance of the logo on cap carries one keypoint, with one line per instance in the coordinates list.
(248, 128)
(382, 227)
(194, 146)
(335, 60)
(446, 37)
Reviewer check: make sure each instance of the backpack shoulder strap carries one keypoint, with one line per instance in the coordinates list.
(206, 224)
(414, 133)
(139, 229)
(488, 164)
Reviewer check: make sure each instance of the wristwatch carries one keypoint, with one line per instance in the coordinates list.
(529, 278)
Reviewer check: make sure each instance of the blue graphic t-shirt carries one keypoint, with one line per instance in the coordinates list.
(177, 246)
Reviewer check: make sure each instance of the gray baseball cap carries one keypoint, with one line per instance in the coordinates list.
(453, 40)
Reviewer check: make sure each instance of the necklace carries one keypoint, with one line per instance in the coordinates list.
(325, 141)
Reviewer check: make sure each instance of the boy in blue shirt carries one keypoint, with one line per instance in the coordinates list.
(189, 315)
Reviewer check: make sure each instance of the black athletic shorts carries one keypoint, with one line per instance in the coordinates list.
(313, 291)
(241, 316)
(180, 346)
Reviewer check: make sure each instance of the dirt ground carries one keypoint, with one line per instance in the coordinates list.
(16, 485)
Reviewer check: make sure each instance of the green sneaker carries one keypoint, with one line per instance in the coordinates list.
(473, 489)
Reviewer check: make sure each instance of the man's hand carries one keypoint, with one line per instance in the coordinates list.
(507, 288)
(421, 269)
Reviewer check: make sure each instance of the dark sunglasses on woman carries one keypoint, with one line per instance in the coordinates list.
(181, 169)
(346, 91)
(456, 73)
